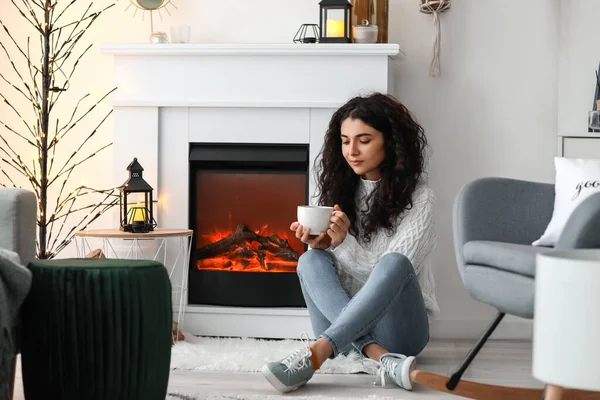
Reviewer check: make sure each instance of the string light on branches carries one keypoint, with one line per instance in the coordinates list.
(42, 82)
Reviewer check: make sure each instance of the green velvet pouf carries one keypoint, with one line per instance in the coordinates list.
(97, 329)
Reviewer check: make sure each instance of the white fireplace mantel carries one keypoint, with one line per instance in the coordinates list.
(265, 75)
(172, 95)
(265, 49)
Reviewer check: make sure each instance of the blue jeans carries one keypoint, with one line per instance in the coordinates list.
(388, 309)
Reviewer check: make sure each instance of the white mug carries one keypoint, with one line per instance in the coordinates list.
(315, 217)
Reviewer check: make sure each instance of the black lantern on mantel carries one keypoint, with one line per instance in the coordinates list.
(136, 202)
(307, 33)
(335, 18)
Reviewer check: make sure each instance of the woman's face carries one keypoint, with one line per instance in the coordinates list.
(362, 147)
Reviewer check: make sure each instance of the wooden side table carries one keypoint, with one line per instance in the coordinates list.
(567, 324)
(135, 252)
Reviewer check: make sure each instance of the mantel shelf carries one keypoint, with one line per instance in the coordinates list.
(582, 134)
(196, 49)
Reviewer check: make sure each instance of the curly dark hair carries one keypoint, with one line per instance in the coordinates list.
(401, 169)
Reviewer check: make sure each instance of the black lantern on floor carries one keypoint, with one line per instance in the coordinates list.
(136, 202)
(335, 18)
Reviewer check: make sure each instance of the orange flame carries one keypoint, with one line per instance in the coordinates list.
(247, 257)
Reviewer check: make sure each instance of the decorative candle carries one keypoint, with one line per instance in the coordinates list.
(139, 214)
(335, 28)
(365, 32)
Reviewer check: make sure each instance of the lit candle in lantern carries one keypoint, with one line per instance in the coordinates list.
(139, 214)
(335, 28)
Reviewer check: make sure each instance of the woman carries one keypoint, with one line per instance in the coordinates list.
(367, 282)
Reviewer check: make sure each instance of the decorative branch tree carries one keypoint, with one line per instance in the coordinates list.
(47, 80)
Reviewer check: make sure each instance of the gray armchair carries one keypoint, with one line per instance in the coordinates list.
(17, 235)
(18, 212)
(495, 221)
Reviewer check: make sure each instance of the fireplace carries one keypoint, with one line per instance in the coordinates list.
(243, 198)
(240, 93)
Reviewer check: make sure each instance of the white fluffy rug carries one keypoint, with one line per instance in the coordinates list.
(175, 396)
(249, 355)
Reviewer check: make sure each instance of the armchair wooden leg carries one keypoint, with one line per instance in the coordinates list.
(455, 377)
(13, 370)
(475, 390)
(484, 391)
(553, 393)
(481, 391)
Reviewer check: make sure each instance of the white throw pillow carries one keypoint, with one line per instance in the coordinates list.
(576, 179)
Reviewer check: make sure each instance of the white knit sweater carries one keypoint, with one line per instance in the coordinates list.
(414, 237)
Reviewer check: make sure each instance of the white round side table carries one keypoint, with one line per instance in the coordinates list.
(566, 335)
(135, 252)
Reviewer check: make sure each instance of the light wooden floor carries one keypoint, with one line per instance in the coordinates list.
(499, 362)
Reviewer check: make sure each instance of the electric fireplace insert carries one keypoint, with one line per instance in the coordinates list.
(243, 198)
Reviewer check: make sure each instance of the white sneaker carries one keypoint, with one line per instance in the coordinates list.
(291, 372)
(396, 367)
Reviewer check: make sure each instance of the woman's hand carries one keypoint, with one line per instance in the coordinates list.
(338, 229)
(322, 241)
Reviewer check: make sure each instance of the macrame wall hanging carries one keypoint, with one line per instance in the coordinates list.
(435, 7)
